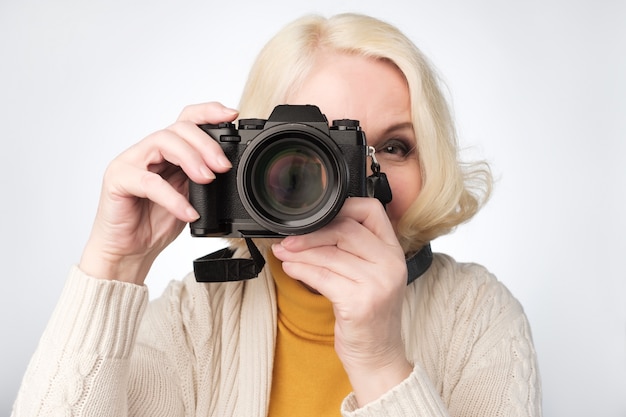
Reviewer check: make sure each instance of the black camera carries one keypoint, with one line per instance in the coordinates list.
(291, 174)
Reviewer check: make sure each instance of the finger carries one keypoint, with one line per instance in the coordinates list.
(330, 258)
(341, 232)
(140, 183)
(340, 275)
(371, 214)
(209, 149)
(166, 146)
(348, 235)
(355, 258)
(212, 112)
(325, 281)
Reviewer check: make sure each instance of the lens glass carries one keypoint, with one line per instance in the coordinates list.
(290, 180)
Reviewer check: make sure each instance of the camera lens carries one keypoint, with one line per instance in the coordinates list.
(290, 181)
(293, 181)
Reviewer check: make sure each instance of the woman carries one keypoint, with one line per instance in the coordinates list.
(330, 326)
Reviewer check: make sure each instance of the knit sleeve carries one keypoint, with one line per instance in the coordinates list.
(81, 364)
(415, 396)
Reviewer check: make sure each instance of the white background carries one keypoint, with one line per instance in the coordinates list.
(538, 88)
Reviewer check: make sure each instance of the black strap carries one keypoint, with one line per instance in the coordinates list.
(220, 266)
(419, 263)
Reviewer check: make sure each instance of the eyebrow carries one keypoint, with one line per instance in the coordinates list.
(396, 127)
(399, 126)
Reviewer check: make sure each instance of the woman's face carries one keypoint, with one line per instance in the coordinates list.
(375, 93)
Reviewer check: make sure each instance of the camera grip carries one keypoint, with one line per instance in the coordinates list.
(202, 198)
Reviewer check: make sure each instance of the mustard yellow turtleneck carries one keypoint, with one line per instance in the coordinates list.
(308, 378)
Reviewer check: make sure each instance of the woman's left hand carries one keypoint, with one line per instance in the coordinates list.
(357, 263)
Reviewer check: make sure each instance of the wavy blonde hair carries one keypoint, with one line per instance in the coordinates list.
(452, 191)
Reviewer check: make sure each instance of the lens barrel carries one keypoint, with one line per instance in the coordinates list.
(292, 179)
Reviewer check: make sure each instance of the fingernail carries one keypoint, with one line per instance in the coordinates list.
(278, 249)
(229, 111)
(207, 173)
(224, 162)
(286, 242)
(192, 214)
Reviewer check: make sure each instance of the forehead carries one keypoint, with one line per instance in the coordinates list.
(371, 90)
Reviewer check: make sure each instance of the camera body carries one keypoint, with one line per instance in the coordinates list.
(291, 174)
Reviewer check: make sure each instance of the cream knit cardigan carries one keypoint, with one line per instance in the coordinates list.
(207, 349)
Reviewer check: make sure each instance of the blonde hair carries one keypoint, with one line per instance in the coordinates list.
(452, 192)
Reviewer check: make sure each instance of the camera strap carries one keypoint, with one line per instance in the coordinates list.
(220, 266)
(377, 184)
(419, 263)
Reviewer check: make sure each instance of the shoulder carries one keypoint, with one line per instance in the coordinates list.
(464, 287)
(460, 304)
(471, 335)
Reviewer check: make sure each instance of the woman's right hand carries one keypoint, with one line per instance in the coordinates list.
(143, 205)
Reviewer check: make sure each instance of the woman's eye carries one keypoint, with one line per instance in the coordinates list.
(394, 149)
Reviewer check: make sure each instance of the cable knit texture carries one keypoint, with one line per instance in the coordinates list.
(207, 350)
